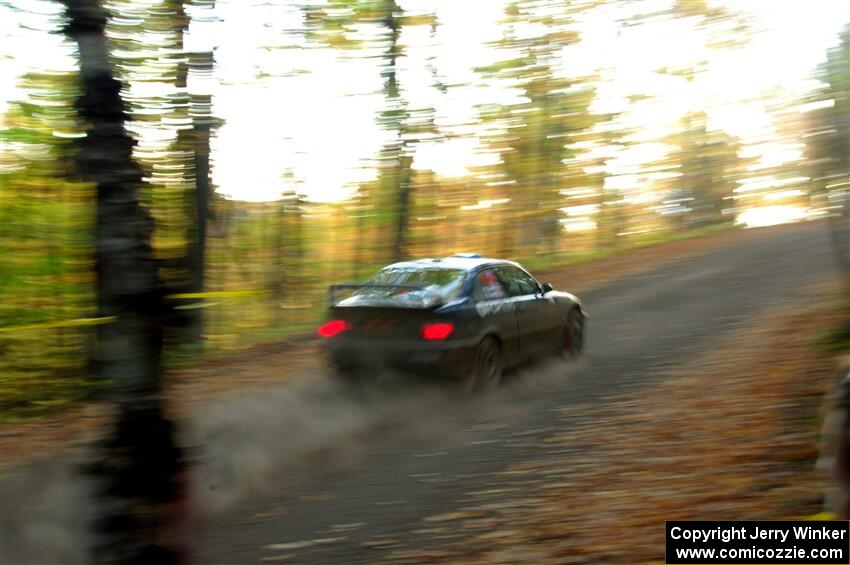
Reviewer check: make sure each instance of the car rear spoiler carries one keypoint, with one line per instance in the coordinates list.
(334, 288)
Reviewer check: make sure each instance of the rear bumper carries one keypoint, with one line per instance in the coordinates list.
(452, 358)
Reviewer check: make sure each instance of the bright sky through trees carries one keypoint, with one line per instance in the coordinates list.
(302, 116)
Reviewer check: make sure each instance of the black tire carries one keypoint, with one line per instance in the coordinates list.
(486, 373)
(574, 333)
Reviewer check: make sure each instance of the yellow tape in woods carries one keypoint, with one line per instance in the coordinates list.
(78, 322)
(60, 324)
(218, 294)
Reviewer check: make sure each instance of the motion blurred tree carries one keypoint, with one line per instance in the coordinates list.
(828, 140)
(534, 135)
(138, 471)
(192, 115)
(610, 218)
(726, 27)
(289, 244)
(833, 143)
(169, 99)
(337, 23)
(46, 246)
(709, 167)
(700, 173)
(397, 155)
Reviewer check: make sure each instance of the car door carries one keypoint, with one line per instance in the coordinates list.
(497, 311)
(535, 313)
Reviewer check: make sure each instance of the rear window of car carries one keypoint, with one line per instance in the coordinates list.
(447, 283)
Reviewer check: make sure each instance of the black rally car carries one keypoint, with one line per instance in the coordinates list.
(463, 316)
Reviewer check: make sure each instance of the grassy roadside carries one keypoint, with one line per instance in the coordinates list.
(733, 434)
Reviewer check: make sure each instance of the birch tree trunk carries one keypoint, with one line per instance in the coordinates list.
(138, 473)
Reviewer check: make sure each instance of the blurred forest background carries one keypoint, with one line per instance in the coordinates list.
(386, 129)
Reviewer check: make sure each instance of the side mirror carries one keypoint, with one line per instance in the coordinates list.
(546, 287)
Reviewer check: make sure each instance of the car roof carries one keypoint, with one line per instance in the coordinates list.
(466, 262)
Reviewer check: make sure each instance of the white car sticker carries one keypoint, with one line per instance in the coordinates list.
(494, 307)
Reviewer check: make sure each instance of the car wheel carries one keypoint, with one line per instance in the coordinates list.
(573, 340)
(486, 371)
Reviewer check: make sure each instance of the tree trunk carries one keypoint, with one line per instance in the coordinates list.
(280, 254)
(402, 207)
(359, 241)
(195, 141)
(299, 250)
(396, 151)
(137, 473)
(202, 122)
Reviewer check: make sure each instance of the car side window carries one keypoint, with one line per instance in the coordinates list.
(516, 281)
(487, 286)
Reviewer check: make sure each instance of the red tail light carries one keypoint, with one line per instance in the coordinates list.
(332, 328)
(434, 332)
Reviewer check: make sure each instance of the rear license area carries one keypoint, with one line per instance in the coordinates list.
(383, 323)
(377, 327)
